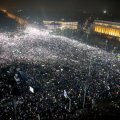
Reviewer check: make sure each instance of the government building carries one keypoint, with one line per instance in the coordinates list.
(106, 28)
(62, 25)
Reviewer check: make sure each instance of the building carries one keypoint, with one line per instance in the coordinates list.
(62, 25)
(106, 28)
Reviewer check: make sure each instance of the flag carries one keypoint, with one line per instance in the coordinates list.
(31, 89)
(65, 94)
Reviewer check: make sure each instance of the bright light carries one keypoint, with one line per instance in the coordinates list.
(35, 31)
(32, 30)
(104, 11)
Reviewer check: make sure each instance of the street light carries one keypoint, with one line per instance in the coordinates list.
(105, 11)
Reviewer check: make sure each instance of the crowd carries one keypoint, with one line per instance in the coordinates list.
(100, 95)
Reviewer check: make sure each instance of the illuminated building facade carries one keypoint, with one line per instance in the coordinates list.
(107, 28)
(61, 25)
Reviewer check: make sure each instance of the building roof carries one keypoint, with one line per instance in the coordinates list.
(108, 22)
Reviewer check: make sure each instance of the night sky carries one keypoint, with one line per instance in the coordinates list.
(72, 8)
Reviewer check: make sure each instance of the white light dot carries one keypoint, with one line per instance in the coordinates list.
(104, 11)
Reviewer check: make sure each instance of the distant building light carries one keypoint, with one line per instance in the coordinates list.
(104, 11)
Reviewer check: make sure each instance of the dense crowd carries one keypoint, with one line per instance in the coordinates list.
(52, 65)
(102, 95)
